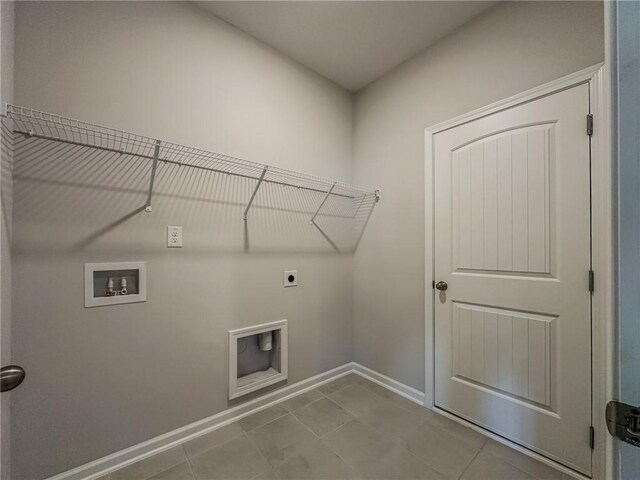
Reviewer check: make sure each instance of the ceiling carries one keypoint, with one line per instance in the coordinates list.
(349, 42)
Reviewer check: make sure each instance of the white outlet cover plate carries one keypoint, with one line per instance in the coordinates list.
(287, 283)
(174, 237)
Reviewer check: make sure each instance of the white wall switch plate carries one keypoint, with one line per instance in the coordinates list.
(291, 278)
(174, 237)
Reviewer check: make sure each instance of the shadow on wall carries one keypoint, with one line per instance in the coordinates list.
(6, 186)
(76, 198)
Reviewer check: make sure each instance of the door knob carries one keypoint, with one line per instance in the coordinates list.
(10, 377)
(442, 285)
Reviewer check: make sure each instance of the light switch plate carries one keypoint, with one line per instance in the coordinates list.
(291, 278)
(174, 237)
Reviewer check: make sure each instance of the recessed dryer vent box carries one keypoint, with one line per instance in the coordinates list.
(257, 357)
(114, 283)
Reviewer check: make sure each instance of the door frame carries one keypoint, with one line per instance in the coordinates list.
(602, 178)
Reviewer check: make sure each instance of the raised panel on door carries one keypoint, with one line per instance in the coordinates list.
(510, 358)
(501, 202)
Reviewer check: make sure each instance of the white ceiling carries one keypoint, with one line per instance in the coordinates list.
(349, 42)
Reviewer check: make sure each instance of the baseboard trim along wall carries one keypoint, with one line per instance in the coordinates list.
(389, 383)
(115, 461)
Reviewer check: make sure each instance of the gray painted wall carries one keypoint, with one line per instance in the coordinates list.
(6, 200)
(102, 379)
(509, 49)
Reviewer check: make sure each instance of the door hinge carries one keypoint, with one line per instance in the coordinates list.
(592, 281)
(590, 124)
(592, 437)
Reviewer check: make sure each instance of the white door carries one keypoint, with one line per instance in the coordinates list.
(512, 242)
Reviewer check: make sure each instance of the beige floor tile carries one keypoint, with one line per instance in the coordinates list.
(487, 467)
(212, 439)
(182, 471)
(356, 399)
(236, 459)
(263, 416)
(397, 400)
(410, 406)
(374, 387)
(335, 385)
(316, 462)
(441, 450)
(302, 400)
(281, 438)
(358, 444)
(399, 464)
(536, 469)
(462, 433)
(391, 438)
(392, 420)
(151, 465)
(323, 416)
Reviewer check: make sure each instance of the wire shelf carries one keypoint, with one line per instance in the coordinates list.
(360, 200)
(56, 127)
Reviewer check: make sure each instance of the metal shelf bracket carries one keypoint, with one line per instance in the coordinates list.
(255, 191)
(154, 166)
(313, 222)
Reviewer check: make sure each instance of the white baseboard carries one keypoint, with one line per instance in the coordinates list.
(133, 454)
(389, 383)
(115, 461)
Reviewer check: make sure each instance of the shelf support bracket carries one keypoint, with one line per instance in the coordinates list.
(255, 191)
(313, 219)
(156, 154)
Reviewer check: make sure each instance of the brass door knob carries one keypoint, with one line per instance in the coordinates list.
(442, 285)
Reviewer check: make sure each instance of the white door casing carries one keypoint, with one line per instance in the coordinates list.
(512, 240)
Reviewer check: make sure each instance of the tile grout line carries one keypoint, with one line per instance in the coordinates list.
(360, 473)
(271, 467)
(469, 464)
(263, 424)
(401, 442)
(319, 439)
(505, 461)
(193, 474)
(331, 431)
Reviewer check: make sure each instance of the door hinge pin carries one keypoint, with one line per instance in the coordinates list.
(590, 124)
(592, 437)
(592, 281)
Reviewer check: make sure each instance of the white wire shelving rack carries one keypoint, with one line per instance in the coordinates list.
(49, 126)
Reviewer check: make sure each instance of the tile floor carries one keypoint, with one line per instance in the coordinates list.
(349, 428)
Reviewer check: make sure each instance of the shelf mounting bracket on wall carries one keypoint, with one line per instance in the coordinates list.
(255, 191)
(313, 219)
(154, 166)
